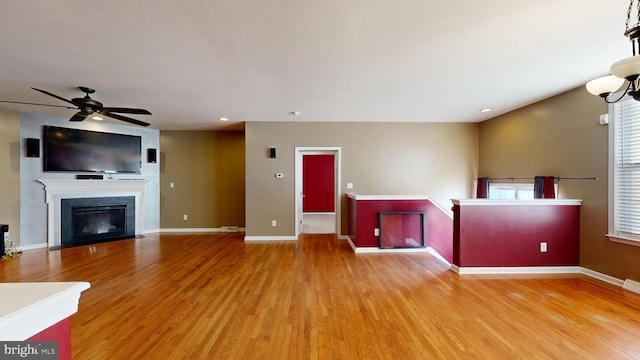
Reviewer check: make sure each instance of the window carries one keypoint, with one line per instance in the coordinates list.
(624, 171)
(513, 191)
(510, 191)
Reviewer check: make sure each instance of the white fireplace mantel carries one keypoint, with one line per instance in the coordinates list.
(58, 189)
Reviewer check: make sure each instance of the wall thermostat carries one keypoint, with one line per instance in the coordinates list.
(279, 175)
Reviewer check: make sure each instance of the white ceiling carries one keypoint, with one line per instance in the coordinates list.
(191, 62)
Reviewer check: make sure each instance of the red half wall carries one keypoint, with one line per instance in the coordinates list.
(363, 220)
(510, 235)
(60, 332)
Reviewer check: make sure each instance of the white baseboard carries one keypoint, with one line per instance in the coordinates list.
(32, 247)
(629, 285)
(353, 246)
(632, 286)
(437, 255)
(517, 270)
(602, 277)
(199, 230)
(281, 238)
(269, 238)
(375, 250)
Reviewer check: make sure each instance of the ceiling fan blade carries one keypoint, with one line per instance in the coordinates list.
(30, 103)
(79, 116)
(109, 110)
(54, 95)
(126, 119)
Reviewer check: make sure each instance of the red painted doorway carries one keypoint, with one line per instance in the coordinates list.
(318, 183)
(318, 193)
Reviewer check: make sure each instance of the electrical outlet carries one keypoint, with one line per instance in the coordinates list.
(376, 232)
(543, 247)
(172, 185)
(273, 223)
(185, 217)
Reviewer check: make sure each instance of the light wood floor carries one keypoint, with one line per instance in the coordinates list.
(214, 297)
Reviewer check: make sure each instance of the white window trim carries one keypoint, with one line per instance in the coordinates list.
(622, 239)
(611, 233)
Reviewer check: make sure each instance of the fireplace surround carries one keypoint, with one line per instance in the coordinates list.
(57, 190)
(91, 220)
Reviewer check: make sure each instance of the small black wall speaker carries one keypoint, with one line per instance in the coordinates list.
(272, 153)
(151, 156)
(33, 147)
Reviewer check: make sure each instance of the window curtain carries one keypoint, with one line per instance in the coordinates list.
(543, 187)
(482, 191)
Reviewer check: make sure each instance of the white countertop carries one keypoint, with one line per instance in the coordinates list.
(484, 202)
(30, 307)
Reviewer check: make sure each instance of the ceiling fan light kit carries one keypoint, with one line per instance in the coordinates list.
(626, 69)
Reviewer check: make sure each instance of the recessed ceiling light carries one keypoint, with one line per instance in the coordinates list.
(97, 118)
(485, 110)
(224, 119)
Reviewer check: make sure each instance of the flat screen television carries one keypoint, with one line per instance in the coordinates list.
(79, 150)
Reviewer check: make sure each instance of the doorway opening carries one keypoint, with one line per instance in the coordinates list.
(317, 206)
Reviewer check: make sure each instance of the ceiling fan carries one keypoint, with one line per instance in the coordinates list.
(87, 106)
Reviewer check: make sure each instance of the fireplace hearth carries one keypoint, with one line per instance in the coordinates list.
(91, 220)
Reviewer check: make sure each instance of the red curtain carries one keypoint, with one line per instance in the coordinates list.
(482, 191)
(544, 187)
(549, 189)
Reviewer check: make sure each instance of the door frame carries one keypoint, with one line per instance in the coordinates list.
(337, 152)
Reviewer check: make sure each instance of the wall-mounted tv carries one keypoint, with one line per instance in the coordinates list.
(79, 150)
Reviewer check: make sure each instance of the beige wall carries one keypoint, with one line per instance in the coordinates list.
(10, 172)
(561, 136)
(435, 159)
(207, 168)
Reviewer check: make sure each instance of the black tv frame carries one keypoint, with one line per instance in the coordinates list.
(90, 151)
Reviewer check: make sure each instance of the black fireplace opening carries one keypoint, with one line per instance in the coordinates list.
(86, 221)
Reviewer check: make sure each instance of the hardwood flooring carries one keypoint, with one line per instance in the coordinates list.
(211, 296)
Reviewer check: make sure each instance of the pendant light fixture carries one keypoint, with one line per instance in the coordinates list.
(626, 69)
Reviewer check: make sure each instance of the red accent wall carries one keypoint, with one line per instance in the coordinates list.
(363, 219)
(318, 183)
(510, 235)
(60, 332)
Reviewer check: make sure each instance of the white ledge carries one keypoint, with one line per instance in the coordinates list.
(57, 186)
(358, 197)
(546, 202)
(388, 197)
(29, 308)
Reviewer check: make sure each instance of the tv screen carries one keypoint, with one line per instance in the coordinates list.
(90, 151)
